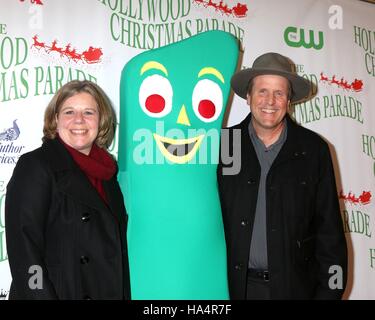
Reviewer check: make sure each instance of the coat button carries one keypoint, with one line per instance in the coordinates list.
(84, 260)
(251, 181)
(296, 154)
(238, 267)
(244, 223)
(85, 217)
(303, 183)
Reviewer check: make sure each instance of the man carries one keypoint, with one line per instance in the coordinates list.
(284, 234)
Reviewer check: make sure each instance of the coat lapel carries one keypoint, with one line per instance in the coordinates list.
(70, 179)
(76, 185)
(248, 154)
(115, 199)
(292, 148)
(249, 175)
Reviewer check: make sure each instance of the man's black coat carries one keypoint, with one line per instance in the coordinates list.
(305, 237)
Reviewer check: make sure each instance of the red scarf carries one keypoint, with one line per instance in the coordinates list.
(97, 166)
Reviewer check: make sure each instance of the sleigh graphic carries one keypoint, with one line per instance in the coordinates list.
(89, 56)
(92, 55)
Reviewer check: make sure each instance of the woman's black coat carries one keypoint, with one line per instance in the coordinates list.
(63, 241)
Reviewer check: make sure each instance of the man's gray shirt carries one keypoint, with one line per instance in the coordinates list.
(266, 155)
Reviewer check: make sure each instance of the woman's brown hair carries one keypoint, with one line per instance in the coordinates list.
(107, 119)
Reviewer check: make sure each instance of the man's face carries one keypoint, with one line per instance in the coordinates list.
(268, 101)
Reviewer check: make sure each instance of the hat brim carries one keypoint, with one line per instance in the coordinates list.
(300, 86)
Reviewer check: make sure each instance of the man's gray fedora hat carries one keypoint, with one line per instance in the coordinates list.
(274, 64)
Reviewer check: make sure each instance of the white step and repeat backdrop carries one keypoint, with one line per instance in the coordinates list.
(46, 43)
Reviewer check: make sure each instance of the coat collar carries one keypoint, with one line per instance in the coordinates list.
(248, 153)
(70, 179)
(293, 147)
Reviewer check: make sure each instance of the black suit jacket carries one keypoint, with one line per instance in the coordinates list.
(305, 236)
(57, 226)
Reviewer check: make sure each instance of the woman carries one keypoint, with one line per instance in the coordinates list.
(64, 211)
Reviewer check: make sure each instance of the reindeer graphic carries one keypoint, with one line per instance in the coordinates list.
(38, 45)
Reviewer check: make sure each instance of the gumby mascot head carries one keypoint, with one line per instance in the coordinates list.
(173, 100)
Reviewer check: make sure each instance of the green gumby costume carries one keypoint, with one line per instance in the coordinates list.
(172, 103)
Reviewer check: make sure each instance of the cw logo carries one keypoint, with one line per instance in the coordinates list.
(293, 40)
